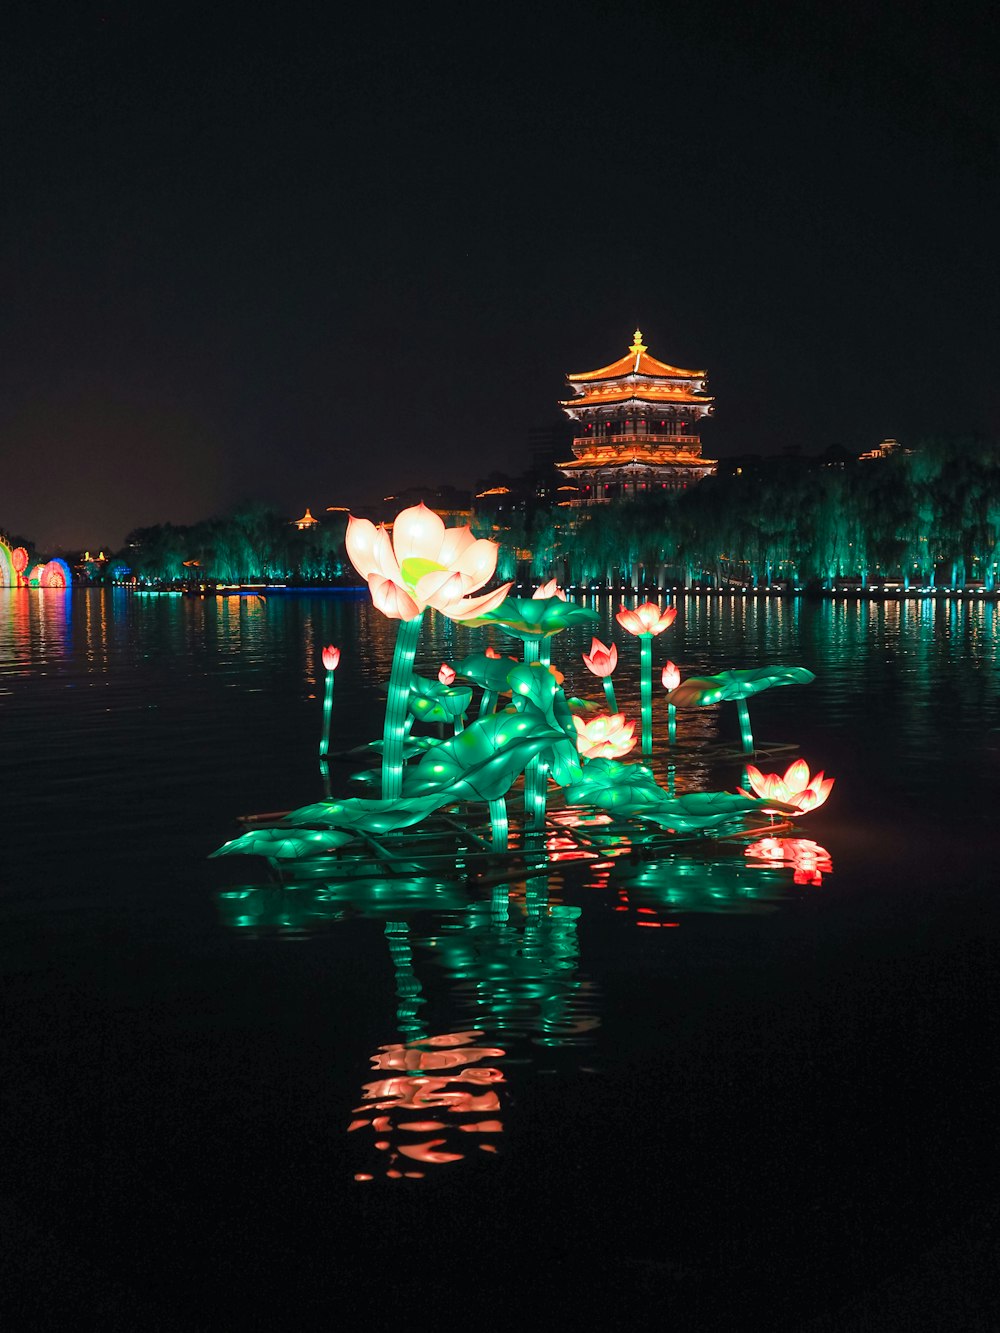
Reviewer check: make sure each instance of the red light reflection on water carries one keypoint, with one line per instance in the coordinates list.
(429, 1074)
(808, 859)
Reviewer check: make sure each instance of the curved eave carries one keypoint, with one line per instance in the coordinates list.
(629, 364)
(619, 464)
(638, 394)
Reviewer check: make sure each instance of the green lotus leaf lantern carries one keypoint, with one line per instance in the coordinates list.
(535, 618)
(489, 673)
(430, 701)
(285, 844)
(621, 789)
(707, 811)
(536, 692)
(366, 816)
(739, 685)
(482, 762)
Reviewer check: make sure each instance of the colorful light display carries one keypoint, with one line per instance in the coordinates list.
(525, 729)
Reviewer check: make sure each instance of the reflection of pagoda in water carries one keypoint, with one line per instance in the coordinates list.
(637, 423)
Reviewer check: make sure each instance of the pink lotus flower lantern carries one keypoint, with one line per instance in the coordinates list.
(671, 678)
(331, 660)
(608, 736)
(424, 564)
(646, 619)
(794, 787)
(446, 674)
(601, 660)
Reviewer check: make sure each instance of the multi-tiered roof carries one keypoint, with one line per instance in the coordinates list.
(637, 426)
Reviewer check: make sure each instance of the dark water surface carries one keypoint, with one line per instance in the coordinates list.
(699, 1092)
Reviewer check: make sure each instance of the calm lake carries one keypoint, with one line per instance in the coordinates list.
(721, 1091)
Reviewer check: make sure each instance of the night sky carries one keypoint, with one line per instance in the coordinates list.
(316, 254)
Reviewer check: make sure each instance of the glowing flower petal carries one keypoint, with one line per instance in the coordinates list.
(419, 532)
(446, 674)
(601, 660)
(392, 600)
(646, 619)
(360, 543)
(550, 589)
(471, 607)
(331, 657)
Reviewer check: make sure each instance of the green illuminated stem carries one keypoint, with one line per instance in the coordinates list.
(324, 773)
(646, 690)
(498, 824)
(536, 775)
(609, 694)
(746, 735)
(671, 723)
(488, 703)
(324, 742)
(395, 709)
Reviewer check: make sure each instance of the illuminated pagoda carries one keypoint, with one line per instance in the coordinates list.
(636, 427)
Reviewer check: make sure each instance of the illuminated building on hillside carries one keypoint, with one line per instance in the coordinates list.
(884, 450)
(306, 521)
(636, 428)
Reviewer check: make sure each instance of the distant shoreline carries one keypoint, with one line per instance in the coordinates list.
(840, 592)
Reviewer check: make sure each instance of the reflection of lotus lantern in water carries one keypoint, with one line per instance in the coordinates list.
(430, 1092)
(808, 860)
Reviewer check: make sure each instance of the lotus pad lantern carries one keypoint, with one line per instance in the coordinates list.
(702, 691)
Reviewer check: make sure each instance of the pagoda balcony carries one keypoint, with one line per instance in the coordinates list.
(630, 441)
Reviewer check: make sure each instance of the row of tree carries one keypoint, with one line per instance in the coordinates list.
(927, 517)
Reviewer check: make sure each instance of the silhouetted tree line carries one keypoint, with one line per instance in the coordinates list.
(927, 517)
(253, 544)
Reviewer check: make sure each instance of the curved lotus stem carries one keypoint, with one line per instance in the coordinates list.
(331, 660)
(746, 734)
(395, 729)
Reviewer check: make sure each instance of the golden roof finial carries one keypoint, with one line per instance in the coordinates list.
(638, 346)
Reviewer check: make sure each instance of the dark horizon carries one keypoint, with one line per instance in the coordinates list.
(304, 261)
